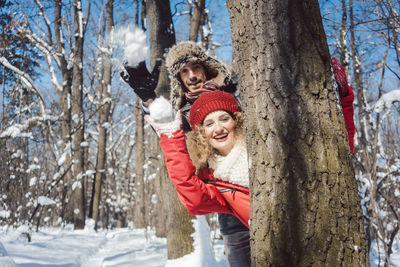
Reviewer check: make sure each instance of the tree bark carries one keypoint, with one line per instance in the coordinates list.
(196, 19)
(140, 219)
(104, 111)
(162, 37)
(78, 191)
(305, 208)
(65, 111)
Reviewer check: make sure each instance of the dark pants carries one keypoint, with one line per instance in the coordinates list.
(237, 249)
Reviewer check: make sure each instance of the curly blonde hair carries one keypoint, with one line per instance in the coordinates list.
(200, 149)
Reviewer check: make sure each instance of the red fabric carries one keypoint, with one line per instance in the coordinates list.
(340, 77)
(198, 197)
(209, 102)
(348, 114)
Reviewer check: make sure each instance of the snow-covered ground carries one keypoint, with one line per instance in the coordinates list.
(118, 247)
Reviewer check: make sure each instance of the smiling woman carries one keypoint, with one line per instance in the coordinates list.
(217, 141)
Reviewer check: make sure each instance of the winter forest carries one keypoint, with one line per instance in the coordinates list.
(76, 151)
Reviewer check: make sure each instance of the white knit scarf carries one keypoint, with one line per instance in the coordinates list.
(234, 167)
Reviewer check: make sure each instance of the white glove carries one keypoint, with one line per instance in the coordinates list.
(163, 118)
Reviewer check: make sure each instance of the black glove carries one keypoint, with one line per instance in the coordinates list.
(141, 80)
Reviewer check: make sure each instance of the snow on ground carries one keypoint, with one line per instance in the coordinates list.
(55, 247)
(118, 247)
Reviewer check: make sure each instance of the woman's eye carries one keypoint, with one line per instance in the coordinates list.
(225, 118)
(208, 124)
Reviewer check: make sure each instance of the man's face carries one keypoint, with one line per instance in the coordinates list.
(193, 76)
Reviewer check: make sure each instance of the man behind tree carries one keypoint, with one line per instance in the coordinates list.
(193, 72)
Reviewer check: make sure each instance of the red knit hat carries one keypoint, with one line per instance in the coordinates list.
(209, 102)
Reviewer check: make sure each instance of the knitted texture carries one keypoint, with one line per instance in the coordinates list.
(209, 102)
(189, 52)
(163, 118)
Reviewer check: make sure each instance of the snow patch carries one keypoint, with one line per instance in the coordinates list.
(76, 185)
(161, 110)
(133, 41)
(45, 201)
(203, 254)
(387, 100)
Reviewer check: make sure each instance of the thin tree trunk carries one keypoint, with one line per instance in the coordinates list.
(78, 191)
(196, 19)
(342, 38)
(305, 208)
(162, 37)
(104, 117)
(362, 133)
(65, 111)
(140, 219)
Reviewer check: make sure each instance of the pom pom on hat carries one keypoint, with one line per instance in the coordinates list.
(210, 102)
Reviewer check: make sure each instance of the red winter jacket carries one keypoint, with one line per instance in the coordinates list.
(203, 193)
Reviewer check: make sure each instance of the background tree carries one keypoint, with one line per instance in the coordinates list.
(178, 224)
(374, 71)
(296, 139)
(104, 110)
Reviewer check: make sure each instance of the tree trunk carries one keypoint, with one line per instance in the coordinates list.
(65, 111)
(162, 37)
(305, 205)
(104, 118)
(363, 144)
(78, 191)
(140, 203)
(342, 39)
(196, 19)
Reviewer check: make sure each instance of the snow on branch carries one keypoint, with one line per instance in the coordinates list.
(19, 130)
(48, 53)
(38, 42)
(43, 14)
(27, 80)
(387, 100)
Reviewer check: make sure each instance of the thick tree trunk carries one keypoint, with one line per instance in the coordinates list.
(78, 191)
(305, 205)
(162, 36)
(104, 118)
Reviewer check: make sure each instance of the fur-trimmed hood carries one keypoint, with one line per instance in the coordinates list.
(189, 52)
